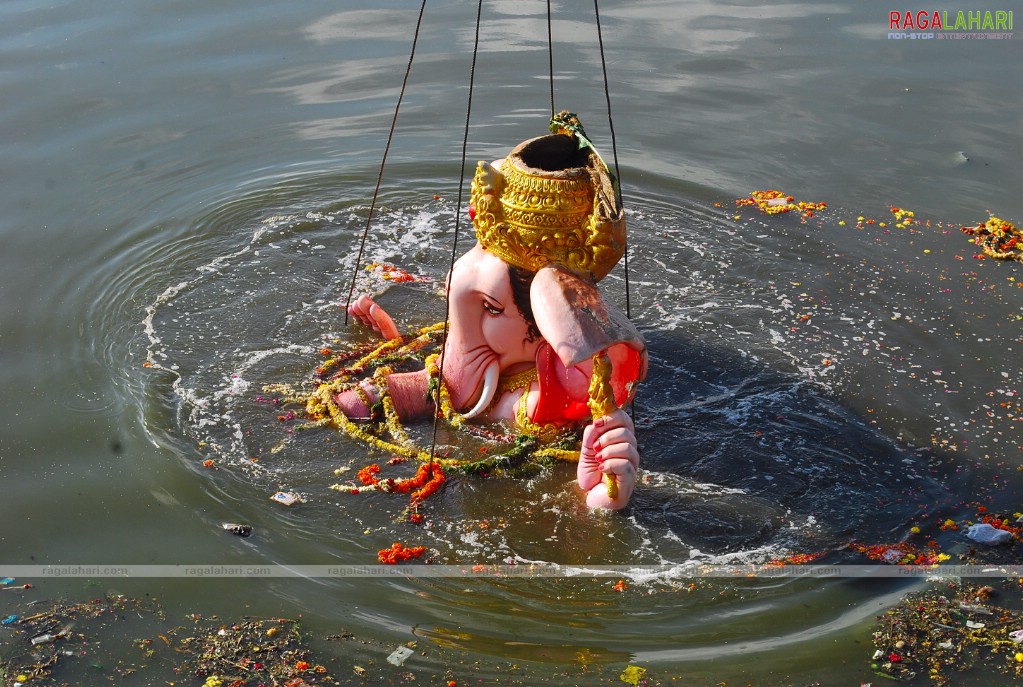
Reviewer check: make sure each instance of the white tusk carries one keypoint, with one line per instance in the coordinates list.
(489, 389)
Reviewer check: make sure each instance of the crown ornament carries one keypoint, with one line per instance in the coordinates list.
(551, 201)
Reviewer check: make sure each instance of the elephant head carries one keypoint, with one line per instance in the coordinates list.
(491, 331)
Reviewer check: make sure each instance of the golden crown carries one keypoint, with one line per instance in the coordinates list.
(550, 201)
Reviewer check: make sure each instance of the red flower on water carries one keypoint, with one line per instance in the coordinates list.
(399, 553)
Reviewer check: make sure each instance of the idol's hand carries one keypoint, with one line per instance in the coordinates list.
(609, 448)
(369, 313)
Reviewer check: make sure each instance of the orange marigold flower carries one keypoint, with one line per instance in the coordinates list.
(367, 474)
(399, 553)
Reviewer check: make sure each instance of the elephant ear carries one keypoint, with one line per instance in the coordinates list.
(575, 319)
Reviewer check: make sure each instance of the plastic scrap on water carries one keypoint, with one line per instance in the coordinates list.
(286, 498)
(987, 534)
(399, 655)
(238, 529)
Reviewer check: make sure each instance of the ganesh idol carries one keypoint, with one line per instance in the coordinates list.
(527, 325)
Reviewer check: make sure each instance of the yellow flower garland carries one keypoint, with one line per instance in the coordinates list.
(322, 408)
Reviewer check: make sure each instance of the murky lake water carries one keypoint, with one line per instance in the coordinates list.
(184, 184)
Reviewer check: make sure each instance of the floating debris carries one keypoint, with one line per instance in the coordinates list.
(286, 498)
(238, 529)
(943, 631)
(400, 655)
(43, 641)
(988, 534)
(251, 652)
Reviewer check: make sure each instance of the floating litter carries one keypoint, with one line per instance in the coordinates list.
(399, 655)
(286, 498)
(241, 530)
(988, 534)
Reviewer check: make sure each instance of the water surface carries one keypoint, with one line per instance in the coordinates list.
(184, 185)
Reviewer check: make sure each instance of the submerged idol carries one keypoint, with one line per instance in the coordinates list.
(531, 342)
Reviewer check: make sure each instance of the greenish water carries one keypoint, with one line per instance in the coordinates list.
(185, 184)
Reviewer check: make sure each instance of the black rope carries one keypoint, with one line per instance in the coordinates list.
(614, 149)
(458, 222)
(383, 161)
(550, 55)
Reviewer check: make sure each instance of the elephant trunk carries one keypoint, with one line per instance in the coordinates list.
(471, 375)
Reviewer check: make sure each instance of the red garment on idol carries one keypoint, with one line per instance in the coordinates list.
(556, 404)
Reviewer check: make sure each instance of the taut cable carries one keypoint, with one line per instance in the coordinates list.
(550, 55)
(458, 222)
(383, 161)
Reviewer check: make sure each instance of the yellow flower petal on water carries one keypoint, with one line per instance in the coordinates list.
(632, 675)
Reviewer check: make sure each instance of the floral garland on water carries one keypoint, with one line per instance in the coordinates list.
(998, 239)
(537, 445)
(774, 202)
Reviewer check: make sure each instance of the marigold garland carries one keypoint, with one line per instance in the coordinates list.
(399, 553)
(532, 447)
(322, 408)
(775, 202)
(429, 478)
(997, 238)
